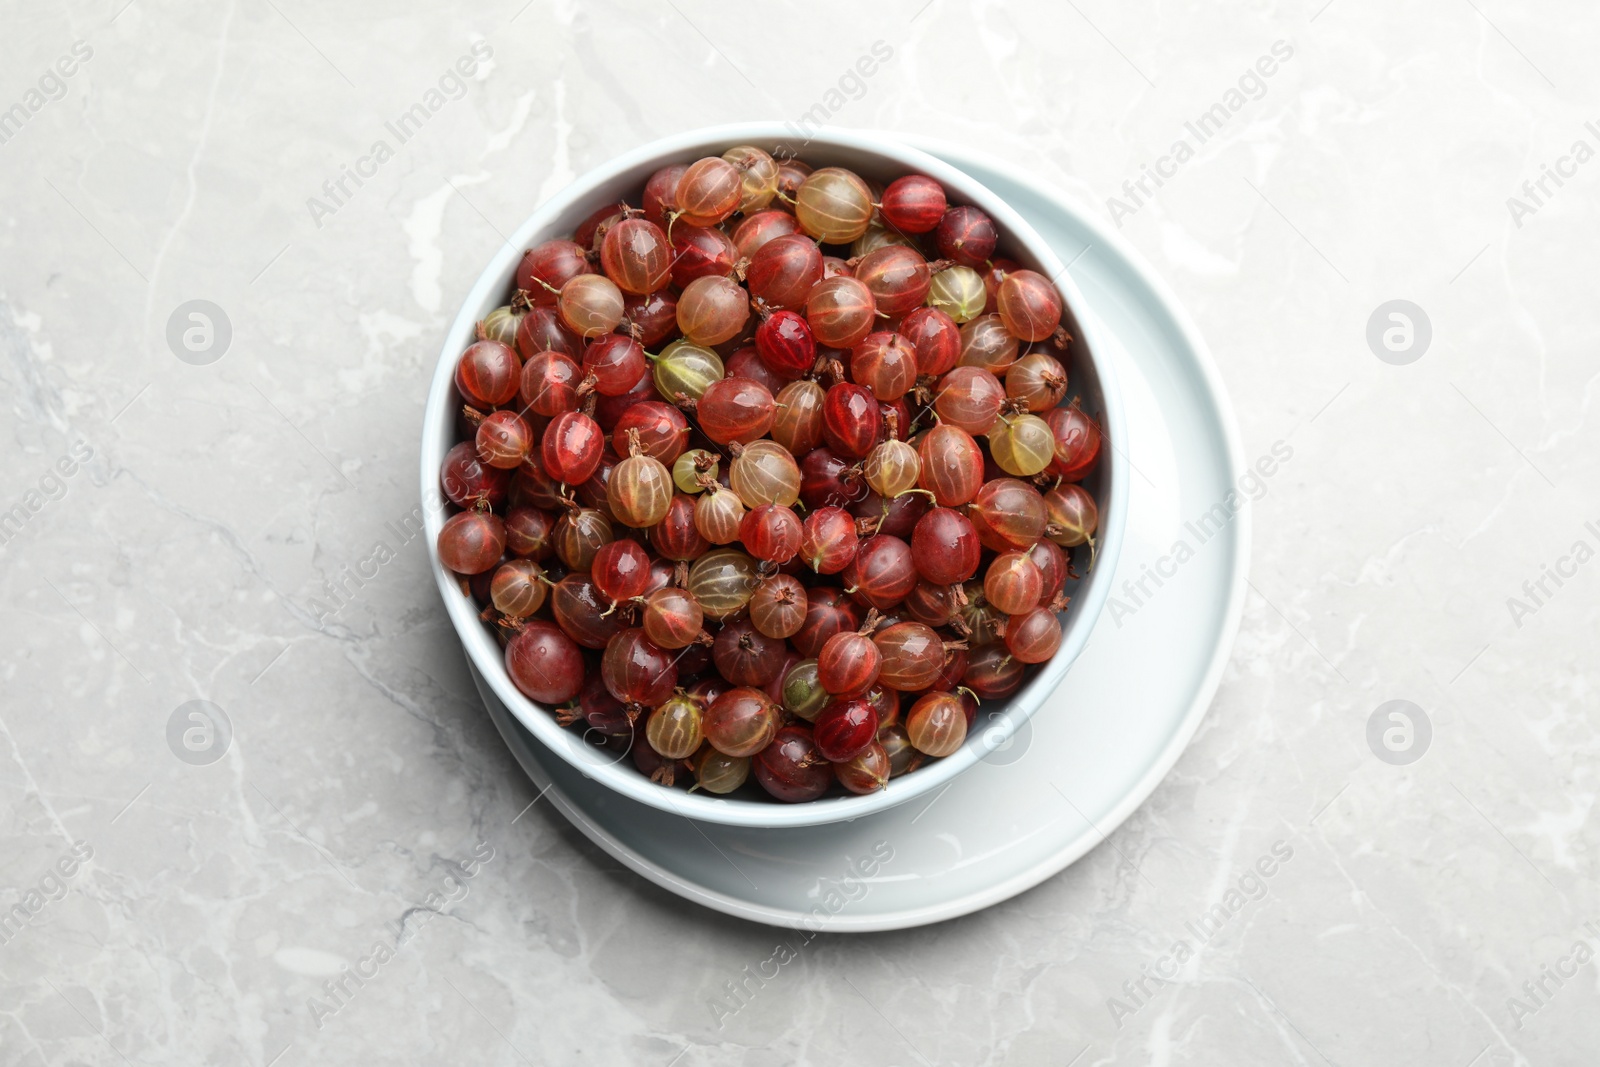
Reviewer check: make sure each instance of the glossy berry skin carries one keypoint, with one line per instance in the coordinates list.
(958, 291)
(841, 311)
(1029, 305)
(544, 663)
(516, 589)
(504, 439)
(778, 606)
(1013, 583)
(782, 273)
(844, 728)
(549, 266)
(616, 362)
(986, 343)
(736, 410)
(758, 177)
(699, 252)
(848, 664)
(791, 173)
(528, 533)
(828, 611)
(708, 191)
(602, 712)
(884, 701)
(472, 542)
(771, 532)
(945, 547)
(533, 486)
(676, 537)
(621, 570)
(541, 330)
(671, 618)
(723, 581)
(488, 374)
(549, 384)
(592, 230)
(640, 491)
(590, 305)
(897, 747)
(882, 573)
(742, 722)
(1073, 515)
(660, 192)
(674, 730)
(913, 204)
(993, 672)
(765, 473)
(1008, 515)
(932, 604)
(937, 724)
(786, 344)
(467, 480)
(802, 695)
(653, 317)
(827, 480)
(897, 276)
(1000, 268)
(636, 255)
(937, 339)
(967, 236)
(719, 774)
(851, 421)
(886, 363)
(637, 670)
(713, 310)
(663, 431)
(828, 540)
(717, 515)
(833, 205)
(1022, 445)
(797, 420)
(969, 398)
(897, 516)
(608, 409)
(913, 656)
(746, 362)
(952, 465)
(571, 447)
(791, 768)
(867, 772)
(1035, 636)
(758, 229)
(745, 655)
(1077, 438)
(955, 668)
(1051, 559)
(592, 491)
(1038, 380)
(581, 611)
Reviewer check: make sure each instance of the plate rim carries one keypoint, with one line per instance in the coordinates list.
(1133, 798)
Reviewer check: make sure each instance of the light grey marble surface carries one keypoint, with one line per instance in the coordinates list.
(208, 504)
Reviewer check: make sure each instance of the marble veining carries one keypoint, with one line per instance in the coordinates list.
(347, 869)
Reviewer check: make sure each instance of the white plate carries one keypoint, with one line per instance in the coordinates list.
(1103, 740)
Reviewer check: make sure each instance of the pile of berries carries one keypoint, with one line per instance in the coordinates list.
(784, 453)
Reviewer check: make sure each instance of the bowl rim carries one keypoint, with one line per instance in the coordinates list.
(619, 775)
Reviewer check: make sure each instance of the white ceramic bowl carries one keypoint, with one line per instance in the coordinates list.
(1092, 379)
